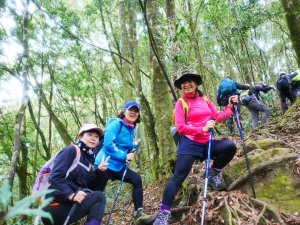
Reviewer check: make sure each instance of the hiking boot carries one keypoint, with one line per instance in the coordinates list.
(142, 218)
(162, 218)
(216, 180)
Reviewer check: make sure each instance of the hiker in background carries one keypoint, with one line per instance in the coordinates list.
(255, 105)
(193, 144)
(283, 84)
(260, 87)
(295, 82)
(70, 189)
(227, 88)
(118, 144)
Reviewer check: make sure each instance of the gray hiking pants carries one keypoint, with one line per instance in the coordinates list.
(255, 106)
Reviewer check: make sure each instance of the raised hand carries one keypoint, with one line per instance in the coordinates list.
(104, 163)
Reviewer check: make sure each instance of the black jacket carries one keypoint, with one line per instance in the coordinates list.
(258, 88)
(81, 177)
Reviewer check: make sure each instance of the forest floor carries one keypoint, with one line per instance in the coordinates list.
(235, 204)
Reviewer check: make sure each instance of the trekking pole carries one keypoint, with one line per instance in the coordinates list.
(121, 183)
(117, 193)
(74, 207)
(244, 148)
(211, 134)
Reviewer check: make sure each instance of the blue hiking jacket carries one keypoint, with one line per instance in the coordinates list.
(118, 142)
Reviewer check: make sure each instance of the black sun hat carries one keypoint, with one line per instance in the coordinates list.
(187, 74)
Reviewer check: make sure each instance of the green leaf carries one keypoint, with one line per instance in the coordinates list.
(5, 195)
(23, 207)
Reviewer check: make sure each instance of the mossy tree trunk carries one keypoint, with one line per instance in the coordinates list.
(162, 103)
(292, 15)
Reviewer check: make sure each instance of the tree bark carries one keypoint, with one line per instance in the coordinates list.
(160, 92)
(21, 113)
(292, 15)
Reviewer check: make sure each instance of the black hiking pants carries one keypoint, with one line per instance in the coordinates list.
(92, 206)
(221, 154)
(131, 177)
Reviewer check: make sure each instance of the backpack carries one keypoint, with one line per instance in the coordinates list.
(227, 87)
(174, 132)
(283, 83)
(245, 98)
(42, 181)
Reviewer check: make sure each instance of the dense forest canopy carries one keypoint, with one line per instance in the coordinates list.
(65, 63)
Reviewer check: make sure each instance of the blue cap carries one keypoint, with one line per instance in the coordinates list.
(130, 104)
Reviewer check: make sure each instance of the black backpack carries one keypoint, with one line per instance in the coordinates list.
(283, 84)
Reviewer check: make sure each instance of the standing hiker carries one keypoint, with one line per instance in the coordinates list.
(255, 105)
(284, 87)
(193, 144)
(118, 144)
(295, 82)
(227, 88)
(69, 188)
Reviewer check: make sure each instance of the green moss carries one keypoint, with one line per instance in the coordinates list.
(270, 143)
(238, 167)
(280, 192)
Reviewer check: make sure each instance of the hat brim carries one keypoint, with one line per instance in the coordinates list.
(133, 106)
(195, 77)
(99, 130)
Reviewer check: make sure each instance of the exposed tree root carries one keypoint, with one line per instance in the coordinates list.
(261, 167)
(270, 208)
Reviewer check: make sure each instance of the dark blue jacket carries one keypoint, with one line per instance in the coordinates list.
(83, 176)
(258, 88)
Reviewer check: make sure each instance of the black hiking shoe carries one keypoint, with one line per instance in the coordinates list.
(141, 218)
(216, 181)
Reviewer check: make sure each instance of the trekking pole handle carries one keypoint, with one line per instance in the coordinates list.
(212, 129)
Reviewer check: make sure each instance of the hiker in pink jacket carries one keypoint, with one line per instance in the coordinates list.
(193, 144)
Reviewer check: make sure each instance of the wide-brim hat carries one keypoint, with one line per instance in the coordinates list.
(187, 74)
(90, 127)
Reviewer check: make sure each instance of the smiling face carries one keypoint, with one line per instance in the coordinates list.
(131, 114)
(188, 86)
(90, 138)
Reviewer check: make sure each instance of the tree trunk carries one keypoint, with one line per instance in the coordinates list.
(292, 10)
(127, 91)
(173, 48)
(21, 113)
(160, 92)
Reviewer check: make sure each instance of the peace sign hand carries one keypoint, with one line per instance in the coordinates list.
(104, 163)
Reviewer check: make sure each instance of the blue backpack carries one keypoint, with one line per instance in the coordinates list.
(227, 87)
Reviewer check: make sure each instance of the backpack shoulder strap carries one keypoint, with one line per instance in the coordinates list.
(185, 109)
(75, 161)
(206, 99)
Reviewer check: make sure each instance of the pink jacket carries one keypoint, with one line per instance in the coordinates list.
(199, 112)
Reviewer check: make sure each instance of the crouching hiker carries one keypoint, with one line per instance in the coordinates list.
(255, 105)
(118, 144)
(70, 187)
(193, 144)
